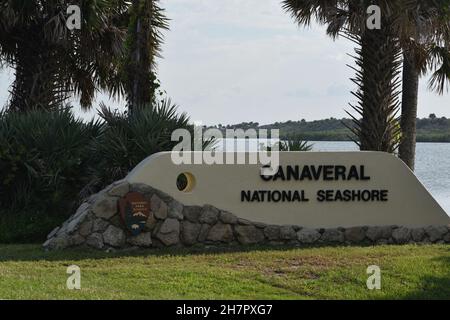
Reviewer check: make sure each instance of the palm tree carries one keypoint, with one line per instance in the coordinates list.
(50, 61)
(421, 29)
(378, 80)
(378, 66)
(147, 21)
(425, 37)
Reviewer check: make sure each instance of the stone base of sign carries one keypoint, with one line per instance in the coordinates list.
(97, 224)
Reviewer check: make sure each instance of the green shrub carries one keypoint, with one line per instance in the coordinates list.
(27, 227)
(44, 159)
(50, 161)
(292, 143)
(127, 139)
(295, 143)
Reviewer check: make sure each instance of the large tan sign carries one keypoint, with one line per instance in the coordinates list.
(332, 189)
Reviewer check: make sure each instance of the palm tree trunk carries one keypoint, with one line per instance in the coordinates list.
(140, 75)
(377, 78)
(35, 85)
(407, 149)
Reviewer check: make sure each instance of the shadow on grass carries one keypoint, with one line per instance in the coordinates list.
(431, 287)
(34, 252)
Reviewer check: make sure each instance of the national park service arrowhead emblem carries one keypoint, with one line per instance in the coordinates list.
(134, 211)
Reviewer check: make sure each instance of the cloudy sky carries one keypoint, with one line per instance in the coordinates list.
(228, 61)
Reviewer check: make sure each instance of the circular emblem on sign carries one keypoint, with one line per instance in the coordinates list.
(134, 210)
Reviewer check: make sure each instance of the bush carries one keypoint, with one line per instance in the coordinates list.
(27, 227)
(43, 165)
(50, 161)
(43, 159)
(127, 139)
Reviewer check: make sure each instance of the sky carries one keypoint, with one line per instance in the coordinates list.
(229, 61)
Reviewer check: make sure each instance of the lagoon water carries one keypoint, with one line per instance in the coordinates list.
(432, 163)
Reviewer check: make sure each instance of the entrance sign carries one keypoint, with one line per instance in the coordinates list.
(310, 189)
(134, 210)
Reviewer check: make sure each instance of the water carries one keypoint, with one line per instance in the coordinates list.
(432, 164)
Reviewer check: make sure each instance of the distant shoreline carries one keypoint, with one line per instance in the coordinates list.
(429, 130)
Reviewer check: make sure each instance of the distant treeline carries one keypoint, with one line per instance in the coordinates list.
(431, 129)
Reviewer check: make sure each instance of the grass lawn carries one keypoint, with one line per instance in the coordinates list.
(27, 272)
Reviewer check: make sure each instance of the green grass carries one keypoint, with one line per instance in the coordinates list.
(27, 272)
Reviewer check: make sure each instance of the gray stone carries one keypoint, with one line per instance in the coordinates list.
(447, 238)
(203, 232)
(308, 236)
(85, 228)
(249, 234)
(95, 240)
(175, 210)
(170, 225)
(287, 233)
(93, 197)
(99, 225)
(77, 220)
(272, 233)
(355, 234)
(114, 236)
(436, 233)
(245, 222)
(76, 240)
(210, 215)
(332, 236)
(116, 221)
(190, 232)
(48, 244)
(418, 234)
(59, 242)
(151, 222)
(169, 233)
(260, 225)
(378, 233)
(105, 207)
(141, 188)
(158, 207)
(141, 240)
(192, 213)
(119, 189)
(220, 232)
(81, 210)
(227, 217)
(53, 233)
(401, 235)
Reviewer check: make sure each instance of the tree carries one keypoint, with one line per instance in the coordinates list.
(375, 125)
(378, 62)
(420, 28)
(50, 61)
(144, 41)
(424, 33)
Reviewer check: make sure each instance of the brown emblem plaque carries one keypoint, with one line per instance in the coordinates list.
(134, 210)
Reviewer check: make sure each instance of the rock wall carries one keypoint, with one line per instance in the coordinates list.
(97, 224)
